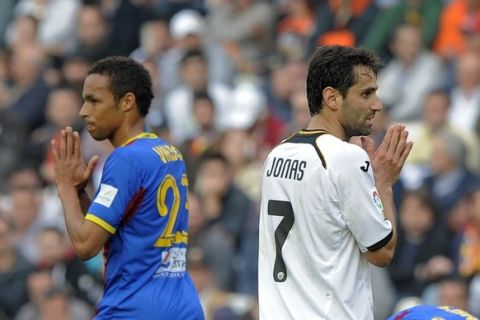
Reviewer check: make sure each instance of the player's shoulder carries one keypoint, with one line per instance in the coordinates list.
(338, 151)
(134, 152)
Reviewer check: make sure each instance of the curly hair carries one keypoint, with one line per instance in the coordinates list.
(126, 75)
(334, 66)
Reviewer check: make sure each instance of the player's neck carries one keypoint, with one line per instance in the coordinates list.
(126, 132)
(329, 124)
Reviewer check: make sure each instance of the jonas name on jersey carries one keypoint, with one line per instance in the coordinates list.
(287, 168)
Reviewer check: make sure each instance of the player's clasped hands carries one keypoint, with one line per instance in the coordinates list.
(70, 168)
(390, 156)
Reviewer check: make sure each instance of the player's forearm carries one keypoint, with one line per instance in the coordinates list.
(72, 203)
(85, 200)
(386, 195)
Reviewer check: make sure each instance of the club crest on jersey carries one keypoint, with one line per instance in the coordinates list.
(377, 200)
(106, 195)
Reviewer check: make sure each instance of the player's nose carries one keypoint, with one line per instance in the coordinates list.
(83, 111)
(377, 104)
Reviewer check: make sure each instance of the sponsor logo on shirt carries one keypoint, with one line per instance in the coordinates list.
(365, 167)
(173, 263)
(106, 195)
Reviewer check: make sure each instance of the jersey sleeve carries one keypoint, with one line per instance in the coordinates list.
(360, 202)
(119, 184)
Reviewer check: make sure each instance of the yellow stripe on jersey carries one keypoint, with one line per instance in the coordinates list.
(312, 131)
(143, 135)
(102, 223)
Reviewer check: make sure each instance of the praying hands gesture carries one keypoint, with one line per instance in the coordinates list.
(70, 168)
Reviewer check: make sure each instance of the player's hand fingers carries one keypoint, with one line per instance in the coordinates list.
(386, 139)
(69, 143)
(402, 141)
(406, 152)
(394, 141)
(77, 153)
(63, 145)
(91, 165)
(369, 146)
(54, 145)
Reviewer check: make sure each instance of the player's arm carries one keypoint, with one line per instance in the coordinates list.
(387, 163)
(382, 257)
(71, 175)
(85, 200)
(87, 237)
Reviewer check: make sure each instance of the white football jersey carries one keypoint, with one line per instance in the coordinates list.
(319, 211)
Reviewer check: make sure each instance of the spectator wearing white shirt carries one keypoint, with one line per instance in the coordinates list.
(56, 32)
(409, 76)
(178, 102)
(465, 96)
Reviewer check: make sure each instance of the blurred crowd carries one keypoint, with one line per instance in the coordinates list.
(229, 84)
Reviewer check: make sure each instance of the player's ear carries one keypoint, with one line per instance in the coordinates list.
(128, 102)
(331, 98)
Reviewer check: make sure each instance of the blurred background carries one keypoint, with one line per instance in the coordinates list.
(229, 83)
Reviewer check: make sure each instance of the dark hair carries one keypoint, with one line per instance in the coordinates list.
(191, 54)
(22, 166)
(439, 92)
(424, 196)
(213, 155)
(334, 66)
(126, 75)
(202, 95)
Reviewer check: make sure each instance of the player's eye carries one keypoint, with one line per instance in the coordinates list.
(367, 94)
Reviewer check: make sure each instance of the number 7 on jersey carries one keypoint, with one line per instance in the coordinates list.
(283, 209)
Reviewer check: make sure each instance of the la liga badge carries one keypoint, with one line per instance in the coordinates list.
(377, 200)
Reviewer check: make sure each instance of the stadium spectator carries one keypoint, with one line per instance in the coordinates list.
(226, 207)
(422, 247)
(293, 30)
(465, 95)
(203, 108)
(189, 32)
(49, 302)
(449, 179)
(468, 251)
(300, 114)
(435, 119)
(29, 88)
(68, 271)
(25, 202)
(22, 32)
(63, 105)
(124, 20)
(14, 269)
(178, 101)
(409, 76)
(217, 303)
(55, 29)
(74, 69)
(155, 41)
(248, 38)
(423, 14)
(92, 34)
(458, 19)
(342, 22)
